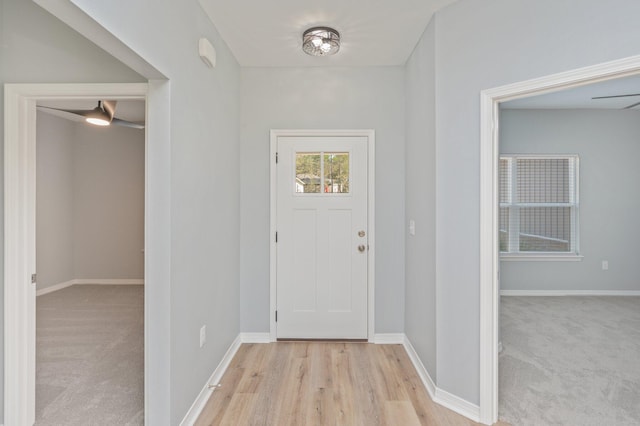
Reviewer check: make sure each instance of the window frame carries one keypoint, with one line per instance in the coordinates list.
(514, 212)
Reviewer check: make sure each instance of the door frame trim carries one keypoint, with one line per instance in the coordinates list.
(370, 135)
(20, 221)
(490, 100)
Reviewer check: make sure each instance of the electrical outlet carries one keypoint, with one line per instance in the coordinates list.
(203, 335)
(605, 265)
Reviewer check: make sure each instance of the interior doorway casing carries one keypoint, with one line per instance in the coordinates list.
(370, 135)
(489, 247)
(19, 223)
(157, 272)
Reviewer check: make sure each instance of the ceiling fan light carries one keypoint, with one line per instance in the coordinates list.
(98, 116)
(321, 41)
(97, 121)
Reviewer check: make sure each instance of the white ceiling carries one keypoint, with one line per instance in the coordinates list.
(129, 110)
(268, 33)
(374, 33)
(581, 97)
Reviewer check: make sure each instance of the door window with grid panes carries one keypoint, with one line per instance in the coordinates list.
(538, 205)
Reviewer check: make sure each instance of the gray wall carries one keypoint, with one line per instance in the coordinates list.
(55, 53)
(108, 203)
(322, 98)
(480, 45)
(54, 200)
(89, 201)
(38, 48)
(608, 143)
(205, 192)
(420, 173)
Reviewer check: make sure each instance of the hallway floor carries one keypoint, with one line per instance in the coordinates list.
(320, 383)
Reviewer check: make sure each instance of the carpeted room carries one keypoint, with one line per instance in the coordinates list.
(90, 263)
(573, 359)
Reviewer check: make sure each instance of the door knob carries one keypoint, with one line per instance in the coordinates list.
(361, 248)
(361, 234)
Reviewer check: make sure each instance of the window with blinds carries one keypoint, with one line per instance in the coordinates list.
(538, 204)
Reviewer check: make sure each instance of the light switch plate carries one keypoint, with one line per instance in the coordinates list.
(203, 335)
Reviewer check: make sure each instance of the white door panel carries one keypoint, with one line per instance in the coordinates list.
(321, 223)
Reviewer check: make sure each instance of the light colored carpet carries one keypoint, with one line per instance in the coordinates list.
(570, 361)
(90, 356)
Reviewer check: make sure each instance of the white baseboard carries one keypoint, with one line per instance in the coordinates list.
(55, 287)
(439, 396)
(200, 402)
(427, 381)
(92, 281)
(255, 337)
(569, 293)
(388, 338)
(88, 281)
(378, 339)
(457, 404)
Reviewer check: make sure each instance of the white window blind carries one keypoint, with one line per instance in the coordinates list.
(538, 204)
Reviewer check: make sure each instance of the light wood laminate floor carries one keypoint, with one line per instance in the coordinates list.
(320, 383)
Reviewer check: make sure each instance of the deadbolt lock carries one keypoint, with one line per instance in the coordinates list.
(361, 234)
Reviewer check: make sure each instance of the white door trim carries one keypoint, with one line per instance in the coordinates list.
(19, 224)
(370, 135)
(489, 255)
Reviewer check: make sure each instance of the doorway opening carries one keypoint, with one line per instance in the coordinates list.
(90, 261)
(20, 235)
(489, 209)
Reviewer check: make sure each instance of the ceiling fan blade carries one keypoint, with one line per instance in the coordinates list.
(125, 123)
(632, 105)
(73, 116)
(80, 112)
(110, 107)
(616, 96)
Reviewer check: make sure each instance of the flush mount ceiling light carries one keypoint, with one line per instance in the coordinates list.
(321, 41)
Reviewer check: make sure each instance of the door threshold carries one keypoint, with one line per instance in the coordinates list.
(323, 340)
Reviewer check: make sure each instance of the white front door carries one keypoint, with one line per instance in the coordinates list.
(322, 237)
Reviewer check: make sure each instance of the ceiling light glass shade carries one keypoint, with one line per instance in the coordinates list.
(321, 41)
